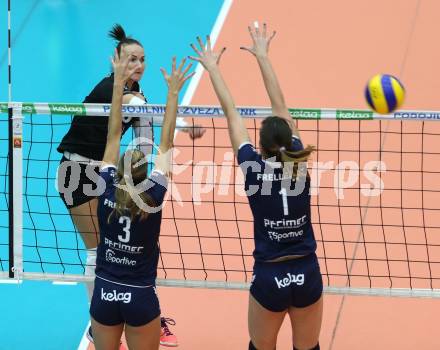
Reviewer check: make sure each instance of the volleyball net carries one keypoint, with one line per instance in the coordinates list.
(375, 199)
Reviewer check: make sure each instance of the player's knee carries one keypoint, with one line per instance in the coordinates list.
(252, 346)
(314, 348)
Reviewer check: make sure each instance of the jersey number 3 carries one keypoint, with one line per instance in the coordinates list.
(125, 220)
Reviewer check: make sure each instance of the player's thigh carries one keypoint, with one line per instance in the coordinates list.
(75, 189)
(306, 324)
(106, 337)
(85, 218)
(263, 325)
(144, 337)
(268, 304)
(307, 304)
(141, 311)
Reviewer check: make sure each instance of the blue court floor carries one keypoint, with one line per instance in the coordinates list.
(60, 51)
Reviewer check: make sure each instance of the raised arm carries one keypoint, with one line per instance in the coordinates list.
(175, 81)
(260, 49)
(121, 74)
(210, 59)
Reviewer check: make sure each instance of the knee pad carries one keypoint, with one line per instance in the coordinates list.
(90, 262)
(90, 271)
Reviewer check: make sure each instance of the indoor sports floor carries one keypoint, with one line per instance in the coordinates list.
(324, 52)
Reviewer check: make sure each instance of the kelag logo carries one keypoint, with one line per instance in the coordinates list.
(305, 113)
(353, 114)
(28, 108)
(3, 108)
(417, 115)
(63, 108)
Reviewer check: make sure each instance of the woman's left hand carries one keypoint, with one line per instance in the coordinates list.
(120, 66)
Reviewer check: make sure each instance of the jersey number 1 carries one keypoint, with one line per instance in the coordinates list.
(283, 193)
(125, 220)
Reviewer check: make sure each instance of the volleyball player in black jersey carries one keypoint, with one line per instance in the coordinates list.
(129, 215)
(83, 148)
(287, 277)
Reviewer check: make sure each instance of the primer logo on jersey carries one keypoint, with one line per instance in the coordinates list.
(123, 247)
(113, 296)
(287, 281)
(110, 257)
(286, 224)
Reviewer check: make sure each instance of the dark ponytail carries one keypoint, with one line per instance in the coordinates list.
(118, 33)
(276, 142)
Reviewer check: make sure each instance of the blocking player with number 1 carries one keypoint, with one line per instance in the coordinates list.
(287, 278)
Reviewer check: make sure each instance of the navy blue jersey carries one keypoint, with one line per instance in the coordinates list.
(128, 251)
(280, 206)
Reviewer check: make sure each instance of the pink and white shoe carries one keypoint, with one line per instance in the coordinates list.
(167, 338)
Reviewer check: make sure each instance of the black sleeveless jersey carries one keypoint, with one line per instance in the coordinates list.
(87, 135)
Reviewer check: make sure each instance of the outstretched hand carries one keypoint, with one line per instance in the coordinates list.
(260, 40)
(120, 66)
(208, 58)
(177, 77)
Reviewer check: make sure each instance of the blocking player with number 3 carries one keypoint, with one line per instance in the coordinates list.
(129, 216)
(287, 278)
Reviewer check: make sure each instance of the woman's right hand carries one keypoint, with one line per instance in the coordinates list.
(208, 58)
(260, 40)
(177, 77)
(120, 66)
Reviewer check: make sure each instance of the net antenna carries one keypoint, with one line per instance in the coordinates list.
(9, 54)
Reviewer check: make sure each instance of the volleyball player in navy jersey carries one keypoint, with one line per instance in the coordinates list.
(129, 215)
(287, 278)
(83, 148)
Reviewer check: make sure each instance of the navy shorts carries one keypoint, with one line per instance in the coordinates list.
(75, 196)
(113, 304)
(279, 285)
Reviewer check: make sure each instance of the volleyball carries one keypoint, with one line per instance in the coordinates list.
(384, 93)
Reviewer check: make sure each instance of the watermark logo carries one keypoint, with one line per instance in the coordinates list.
(222, 177)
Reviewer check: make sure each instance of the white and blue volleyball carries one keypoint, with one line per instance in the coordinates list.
(384, 93)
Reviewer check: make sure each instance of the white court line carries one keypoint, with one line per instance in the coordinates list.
(218, 25)
(84, 341)
(186, 100)
(64, 283)
(11, 281)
